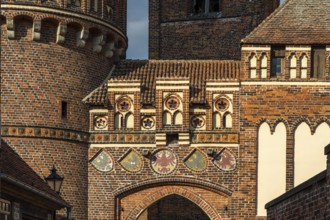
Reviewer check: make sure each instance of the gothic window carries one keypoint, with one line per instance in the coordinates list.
(278, 54)
(129, 122)
(124, 117)
(178, 118)
(227, 120)
(118, 121)
(293, 66)
(207, 6)
(167, 118)
(303, 67)
(253, 66)
(318, 62)
(263, 66)
(216, 120)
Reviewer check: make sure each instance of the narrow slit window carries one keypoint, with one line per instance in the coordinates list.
(64, 109)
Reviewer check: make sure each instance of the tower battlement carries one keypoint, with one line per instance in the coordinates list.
(53, 53)
(109, 11)
(102, 33)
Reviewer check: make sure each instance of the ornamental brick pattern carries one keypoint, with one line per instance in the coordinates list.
(53, 52)
(68, 99)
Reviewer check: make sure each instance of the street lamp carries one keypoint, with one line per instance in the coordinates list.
(54, 180)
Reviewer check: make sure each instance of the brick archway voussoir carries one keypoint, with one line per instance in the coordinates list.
(173, 190)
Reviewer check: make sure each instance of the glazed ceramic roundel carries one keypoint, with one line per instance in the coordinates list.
(124, 105)
(101, 122)
(222, 104)
(197, 121)
(148, 122)
(172, 103)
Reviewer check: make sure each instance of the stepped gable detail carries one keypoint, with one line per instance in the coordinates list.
(295, 22)
(198, 72)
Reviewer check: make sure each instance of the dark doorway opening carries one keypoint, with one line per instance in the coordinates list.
(173, 207)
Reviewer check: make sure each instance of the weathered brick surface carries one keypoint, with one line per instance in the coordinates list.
(275, 104)
(70, 159)
(106, 187)
(311, 203)
(38, 74)
(175, 32)
(309, 200)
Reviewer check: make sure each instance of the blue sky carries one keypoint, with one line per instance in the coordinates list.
(137, 29)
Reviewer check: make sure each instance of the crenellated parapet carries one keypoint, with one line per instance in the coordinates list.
(110, 11)
(105, 38)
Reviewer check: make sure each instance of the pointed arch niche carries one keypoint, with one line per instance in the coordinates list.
(178, 119)
(253, 66)
(129, 120)
(271, 160)
(309, 158)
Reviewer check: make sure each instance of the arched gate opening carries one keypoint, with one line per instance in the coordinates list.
(173, 207)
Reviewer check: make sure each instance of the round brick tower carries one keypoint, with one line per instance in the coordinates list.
(54, 53)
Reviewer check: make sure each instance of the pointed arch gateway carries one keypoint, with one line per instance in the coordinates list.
(207, 212)
(133, 201)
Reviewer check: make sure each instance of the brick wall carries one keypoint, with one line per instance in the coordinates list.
(117, 17)
(70, 160)
(135, 191)
(37, 74)
(175, 32)
(309, 200)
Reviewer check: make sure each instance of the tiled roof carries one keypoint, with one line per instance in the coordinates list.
(295, 22)
(197, 71)
(98, 96)
(13, 166)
